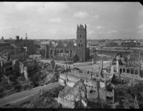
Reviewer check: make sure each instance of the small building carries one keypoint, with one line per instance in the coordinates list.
(2, 40)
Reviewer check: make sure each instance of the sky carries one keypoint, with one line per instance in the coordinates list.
(59, 20)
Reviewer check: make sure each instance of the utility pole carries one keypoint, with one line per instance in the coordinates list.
(98, 87)
(139, 63)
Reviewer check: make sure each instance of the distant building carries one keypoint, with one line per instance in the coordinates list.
(66, 50)
(2, 40)
(22, 48)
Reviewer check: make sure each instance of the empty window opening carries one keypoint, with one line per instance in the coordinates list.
(61, 51)
(128, 71)
(132, 71)
(115, 69)
(123, 70)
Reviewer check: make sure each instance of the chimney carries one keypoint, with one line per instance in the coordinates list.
(17, 38)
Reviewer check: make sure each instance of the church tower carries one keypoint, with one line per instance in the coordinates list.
(81, 42)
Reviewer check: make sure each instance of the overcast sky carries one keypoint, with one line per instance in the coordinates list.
(58, 20)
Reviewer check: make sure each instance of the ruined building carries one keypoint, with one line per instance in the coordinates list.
(127, 67)
(69, 96)
(66, 50)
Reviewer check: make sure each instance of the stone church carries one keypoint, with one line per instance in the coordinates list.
(67, 50)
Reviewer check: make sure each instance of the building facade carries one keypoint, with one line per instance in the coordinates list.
(81, 42)
(129, 68)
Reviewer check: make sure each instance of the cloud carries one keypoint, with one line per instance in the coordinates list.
(128, 30)
(80, 14)
(96, 16)
(55, 20)
(101, 32)
(91, 32)
(20, 6)
(98, 27)
(140, 26)
(53, 31)
(112, 31)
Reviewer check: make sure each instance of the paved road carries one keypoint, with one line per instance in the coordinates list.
(24, 94)
(84, 66)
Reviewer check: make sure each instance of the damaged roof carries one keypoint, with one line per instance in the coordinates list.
(62, 44)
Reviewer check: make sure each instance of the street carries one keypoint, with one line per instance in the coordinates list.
(85, 66)
(24, 94)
